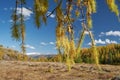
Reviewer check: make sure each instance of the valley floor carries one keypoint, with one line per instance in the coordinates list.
(17, 70)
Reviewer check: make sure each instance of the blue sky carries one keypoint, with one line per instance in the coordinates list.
(106, 28)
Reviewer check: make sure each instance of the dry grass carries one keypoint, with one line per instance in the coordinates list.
(14, 70)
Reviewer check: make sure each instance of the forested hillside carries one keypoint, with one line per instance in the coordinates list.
(109, 54)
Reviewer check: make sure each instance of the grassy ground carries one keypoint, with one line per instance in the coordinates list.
(16, 70)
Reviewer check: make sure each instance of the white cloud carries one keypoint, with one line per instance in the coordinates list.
(113, 33)
(48, 43)
(13, 46)
(5, 9)
(38, 53)
(52, 43)
(43, 43)
(89, 43)
(52, 15)
(101, 34)
(10, 21)
(29, 46)
(3, 21)
(110, 33)
(11, 8)
(55, 48)
(106, 41)
(99, 41)
(33, 53)
(81, 19)
(26, 12)
(86, 32)
(76, 39)
(110, 41)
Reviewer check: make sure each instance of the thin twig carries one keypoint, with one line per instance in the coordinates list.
(54, 9)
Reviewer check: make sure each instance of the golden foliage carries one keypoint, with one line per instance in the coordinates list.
(15, 32)
(89, 21)
(78, 2)
(91, 8)
(113, 6)
(77, 13)
(40, 9)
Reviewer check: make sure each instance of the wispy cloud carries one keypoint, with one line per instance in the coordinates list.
(47, 43)
(13, 46)
(110, 33)
(39, 53)
(33, 53)
(29, 46)
(11, 8)
(10, 21)
(52, 15)
(3, 21)
(106, 41)
(113, 33)
(26, 12)
(101, 34)
(43, 43)
(5, 9)
(55, 47)
(76, 39)
(81, 19)
(52, 43)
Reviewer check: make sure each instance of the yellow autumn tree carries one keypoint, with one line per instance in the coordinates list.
(65, 17)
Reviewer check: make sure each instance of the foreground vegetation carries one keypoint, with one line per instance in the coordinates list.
(17, 70)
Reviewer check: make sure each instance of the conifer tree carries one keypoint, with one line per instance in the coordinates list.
(65, 29)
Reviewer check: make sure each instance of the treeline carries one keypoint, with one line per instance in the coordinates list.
(109, 54)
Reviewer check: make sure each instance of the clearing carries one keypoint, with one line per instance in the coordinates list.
(17, 70)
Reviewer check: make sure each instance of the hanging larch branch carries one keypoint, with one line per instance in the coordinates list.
(40, 10)
(18, 26)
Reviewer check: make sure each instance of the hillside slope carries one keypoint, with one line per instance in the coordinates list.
(10, 54)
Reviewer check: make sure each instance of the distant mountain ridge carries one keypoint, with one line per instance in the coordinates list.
(35, 56)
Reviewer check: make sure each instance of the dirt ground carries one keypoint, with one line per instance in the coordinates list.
(17, 70)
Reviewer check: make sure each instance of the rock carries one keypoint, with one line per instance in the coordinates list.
(6, 57)
(116, 78)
